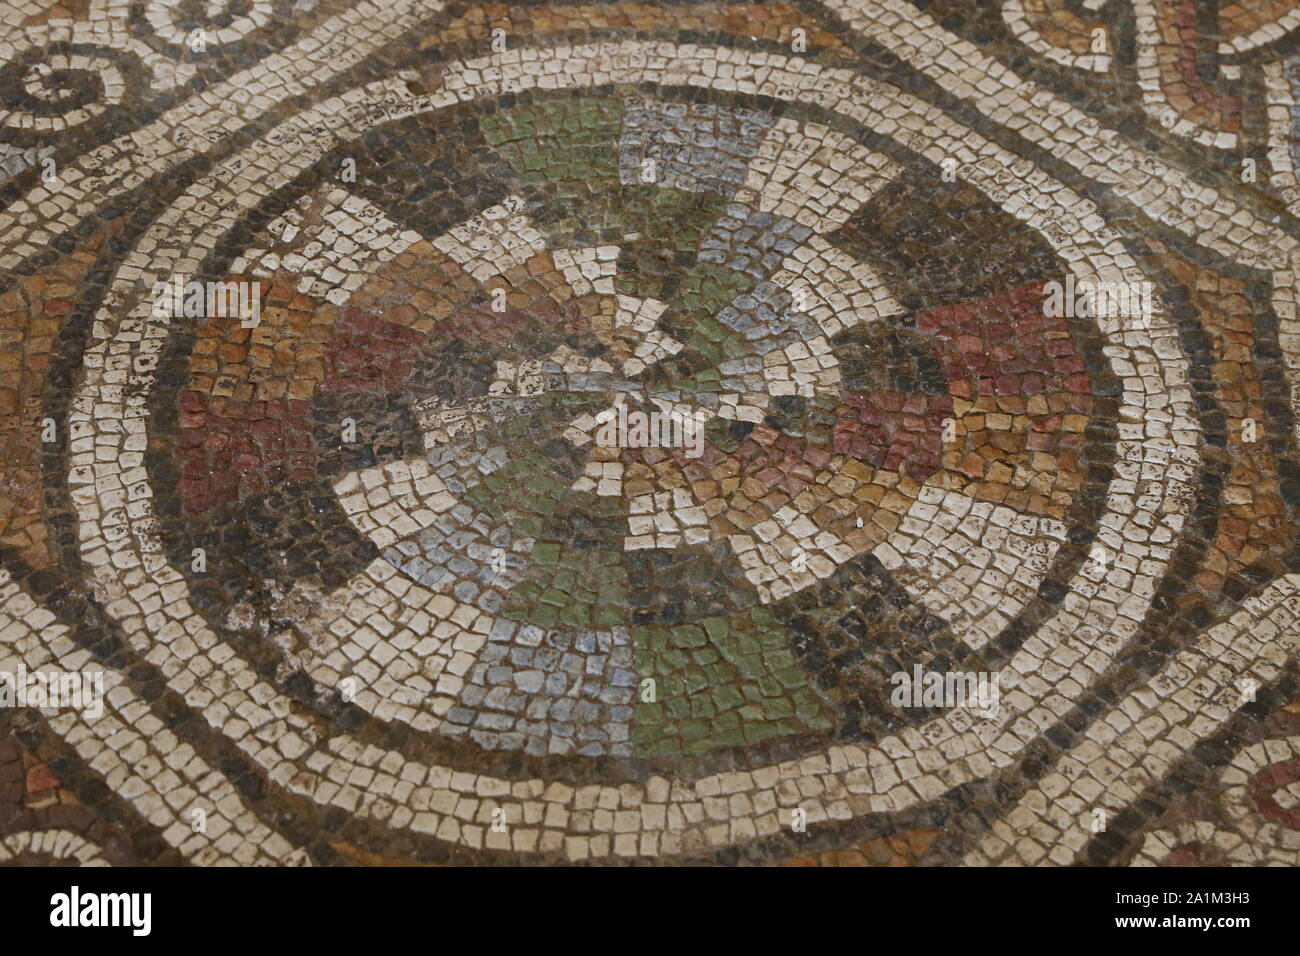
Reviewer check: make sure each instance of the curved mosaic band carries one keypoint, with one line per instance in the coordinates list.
(1136, 744)
(56, 844)
(194, 126)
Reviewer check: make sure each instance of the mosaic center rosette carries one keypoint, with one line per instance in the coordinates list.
(621, 425)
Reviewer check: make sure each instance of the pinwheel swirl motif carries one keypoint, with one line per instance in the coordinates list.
(833, 425)
(428, 570)
(60, 74)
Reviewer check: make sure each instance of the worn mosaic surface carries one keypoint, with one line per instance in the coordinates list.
(635, 412)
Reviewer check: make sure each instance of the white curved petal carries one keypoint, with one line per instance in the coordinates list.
(974, 564)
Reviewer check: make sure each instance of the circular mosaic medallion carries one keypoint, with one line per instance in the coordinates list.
(683, 461)
(653, 465)
(649, 450)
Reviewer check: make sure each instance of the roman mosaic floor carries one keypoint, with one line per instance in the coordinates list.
(642, 420)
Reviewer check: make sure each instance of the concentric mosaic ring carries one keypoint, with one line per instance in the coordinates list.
(1259, 800)
(1260, 796)
(59, 87)
(62, 845)
(1195, 841)
(60, 75)
(126, 567)
(396, 573)
(219, 22)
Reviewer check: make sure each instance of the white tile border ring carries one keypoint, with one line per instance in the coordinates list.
(1122, 753)
(1017, 21)
(1279, 101)
(1158, 844)
(139, 758)
(1237, 804)
(1155, 189)
(1082, 272)
(59, 844)
(1249, 840)
(1265, 33)
(1154, 101)
(160, 14)
(843, 781)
